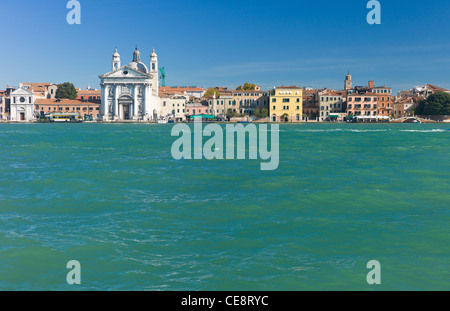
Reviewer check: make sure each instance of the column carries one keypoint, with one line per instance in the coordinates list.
(116, 101)
(135, 104)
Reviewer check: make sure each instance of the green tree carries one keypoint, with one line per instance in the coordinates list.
(247, 87)
(435, 104)
(66, 90)
(231, 113)
(261, 113)
(210, 92)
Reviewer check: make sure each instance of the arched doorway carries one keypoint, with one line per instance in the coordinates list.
(274, 118)
(126, 104)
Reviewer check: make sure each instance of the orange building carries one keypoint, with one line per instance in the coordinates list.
(385, 102)
(44, 106)
(93, 96)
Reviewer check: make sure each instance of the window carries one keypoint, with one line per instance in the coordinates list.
(274, 100)
(285, 100)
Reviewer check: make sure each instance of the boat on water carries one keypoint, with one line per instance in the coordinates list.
(62, 118)
(412, 120)
(162, 121)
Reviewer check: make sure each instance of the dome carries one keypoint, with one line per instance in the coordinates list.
(153, 54)
(138, 66)
(116, 54)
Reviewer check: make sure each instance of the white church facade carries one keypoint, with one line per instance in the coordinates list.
(22, 105)
(130, 92)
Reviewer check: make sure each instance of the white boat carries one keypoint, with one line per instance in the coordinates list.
(162, 121)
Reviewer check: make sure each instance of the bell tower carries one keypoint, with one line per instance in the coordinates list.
(348, 82)
(116, 60)
(154, 72)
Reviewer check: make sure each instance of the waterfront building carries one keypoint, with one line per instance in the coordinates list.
(130, 92)
(385, 100)
(86, 109)
(22, 105)
(173, 107)
(219, 105)
(286, 104)
(239, 101)
(249, 100)
(311, 103)
(197, 108)
(362, 104)
(4, 113)
(405, 107)
(331, 105)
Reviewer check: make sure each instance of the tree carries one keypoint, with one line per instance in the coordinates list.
(435, 104)
(66, 90)
(231, 113)
(210, 92)
(284, 117)
(261, 113)
(247, 87)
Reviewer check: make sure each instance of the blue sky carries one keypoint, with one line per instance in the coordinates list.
(226, 43)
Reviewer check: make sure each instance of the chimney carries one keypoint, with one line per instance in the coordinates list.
(371, 84)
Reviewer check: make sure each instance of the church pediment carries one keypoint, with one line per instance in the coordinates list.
(126, 72)
(22, 91)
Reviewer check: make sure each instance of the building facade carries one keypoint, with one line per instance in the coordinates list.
(286, 104)
(404, 107)
(331, 105)
(173, 107)
(130, 92)
(85, 109)
(3, 108)
(22, 105)
(193, 109)
(364, 104)
(385, 100)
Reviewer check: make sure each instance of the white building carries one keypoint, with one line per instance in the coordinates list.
(130, 92)
(22, 105)
(173, 107)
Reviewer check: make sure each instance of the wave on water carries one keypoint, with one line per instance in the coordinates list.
(342, 130)
(426, 131)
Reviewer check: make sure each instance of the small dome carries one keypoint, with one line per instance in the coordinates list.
(153, 54)
(116, 54)
(138, 66)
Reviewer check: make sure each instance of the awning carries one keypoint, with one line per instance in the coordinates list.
(334, 116)
(203, 116)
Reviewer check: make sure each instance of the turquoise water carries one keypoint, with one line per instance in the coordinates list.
(113, 198)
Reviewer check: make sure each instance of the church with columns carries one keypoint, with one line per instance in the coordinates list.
(130, 92)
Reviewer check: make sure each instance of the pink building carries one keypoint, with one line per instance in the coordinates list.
(362, 104)
(193, 109)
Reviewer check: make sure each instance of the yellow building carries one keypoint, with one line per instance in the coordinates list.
(286, 104)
